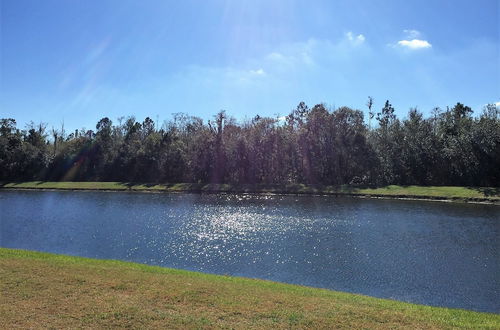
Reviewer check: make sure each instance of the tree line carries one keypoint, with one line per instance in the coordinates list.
(311, 145)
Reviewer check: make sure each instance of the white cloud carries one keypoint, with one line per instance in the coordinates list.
(290, 56)
(311, 54)
(412, 34)
(290, 69)
(497, 103)
(259, 72)
(355, 40)
(412, 41)
(275, 56)
(414, 44)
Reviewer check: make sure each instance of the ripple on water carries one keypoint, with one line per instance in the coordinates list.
(394, 249)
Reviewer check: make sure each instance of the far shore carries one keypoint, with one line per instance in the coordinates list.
(484, 195)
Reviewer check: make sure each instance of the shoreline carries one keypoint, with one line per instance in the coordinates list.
(448, 194)
(88, 292)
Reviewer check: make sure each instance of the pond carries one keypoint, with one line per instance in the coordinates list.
(432, 253)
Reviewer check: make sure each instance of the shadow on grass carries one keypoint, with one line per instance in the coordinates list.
(15, 183)
(128, 184)
(167, 186)
(488, 191)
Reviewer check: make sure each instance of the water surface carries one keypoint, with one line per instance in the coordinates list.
(431, 253)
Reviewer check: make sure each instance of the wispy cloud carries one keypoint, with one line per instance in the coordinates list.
(275, 56)
(313, 54)
(258, 72)
(97, 51)
(276, 77)
(412, 34)
(292, 55)
(83, 78)
(355, 40)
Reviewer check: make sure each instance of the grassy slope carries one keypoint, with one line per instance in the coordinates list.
(40, 289)
(458, 193)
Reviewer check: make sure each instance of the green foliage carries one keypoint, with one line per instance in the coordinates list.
(312, 146)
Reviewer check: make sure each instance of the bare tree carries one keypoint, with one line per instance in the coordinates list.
(371, 114)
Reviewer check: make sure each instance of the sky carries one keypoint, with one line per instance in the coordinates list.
(75, 62)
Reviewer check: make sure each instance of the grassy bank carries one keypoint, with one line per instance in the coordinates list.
(470, 194)
(46, 290)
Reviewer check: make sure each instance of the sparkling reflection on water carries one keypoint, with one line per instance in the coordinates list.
(430, 253)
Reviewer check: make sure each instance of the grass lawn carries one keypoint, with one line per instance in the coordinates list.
(484, 194)
(436, 191)
(53, 291)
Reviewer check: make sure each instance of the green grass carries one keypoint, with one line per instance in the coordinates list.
(477, 194)
(436, 191)
(54, 291)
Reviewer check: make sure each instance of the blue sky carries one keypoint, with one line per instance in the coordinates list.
(78, 61)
